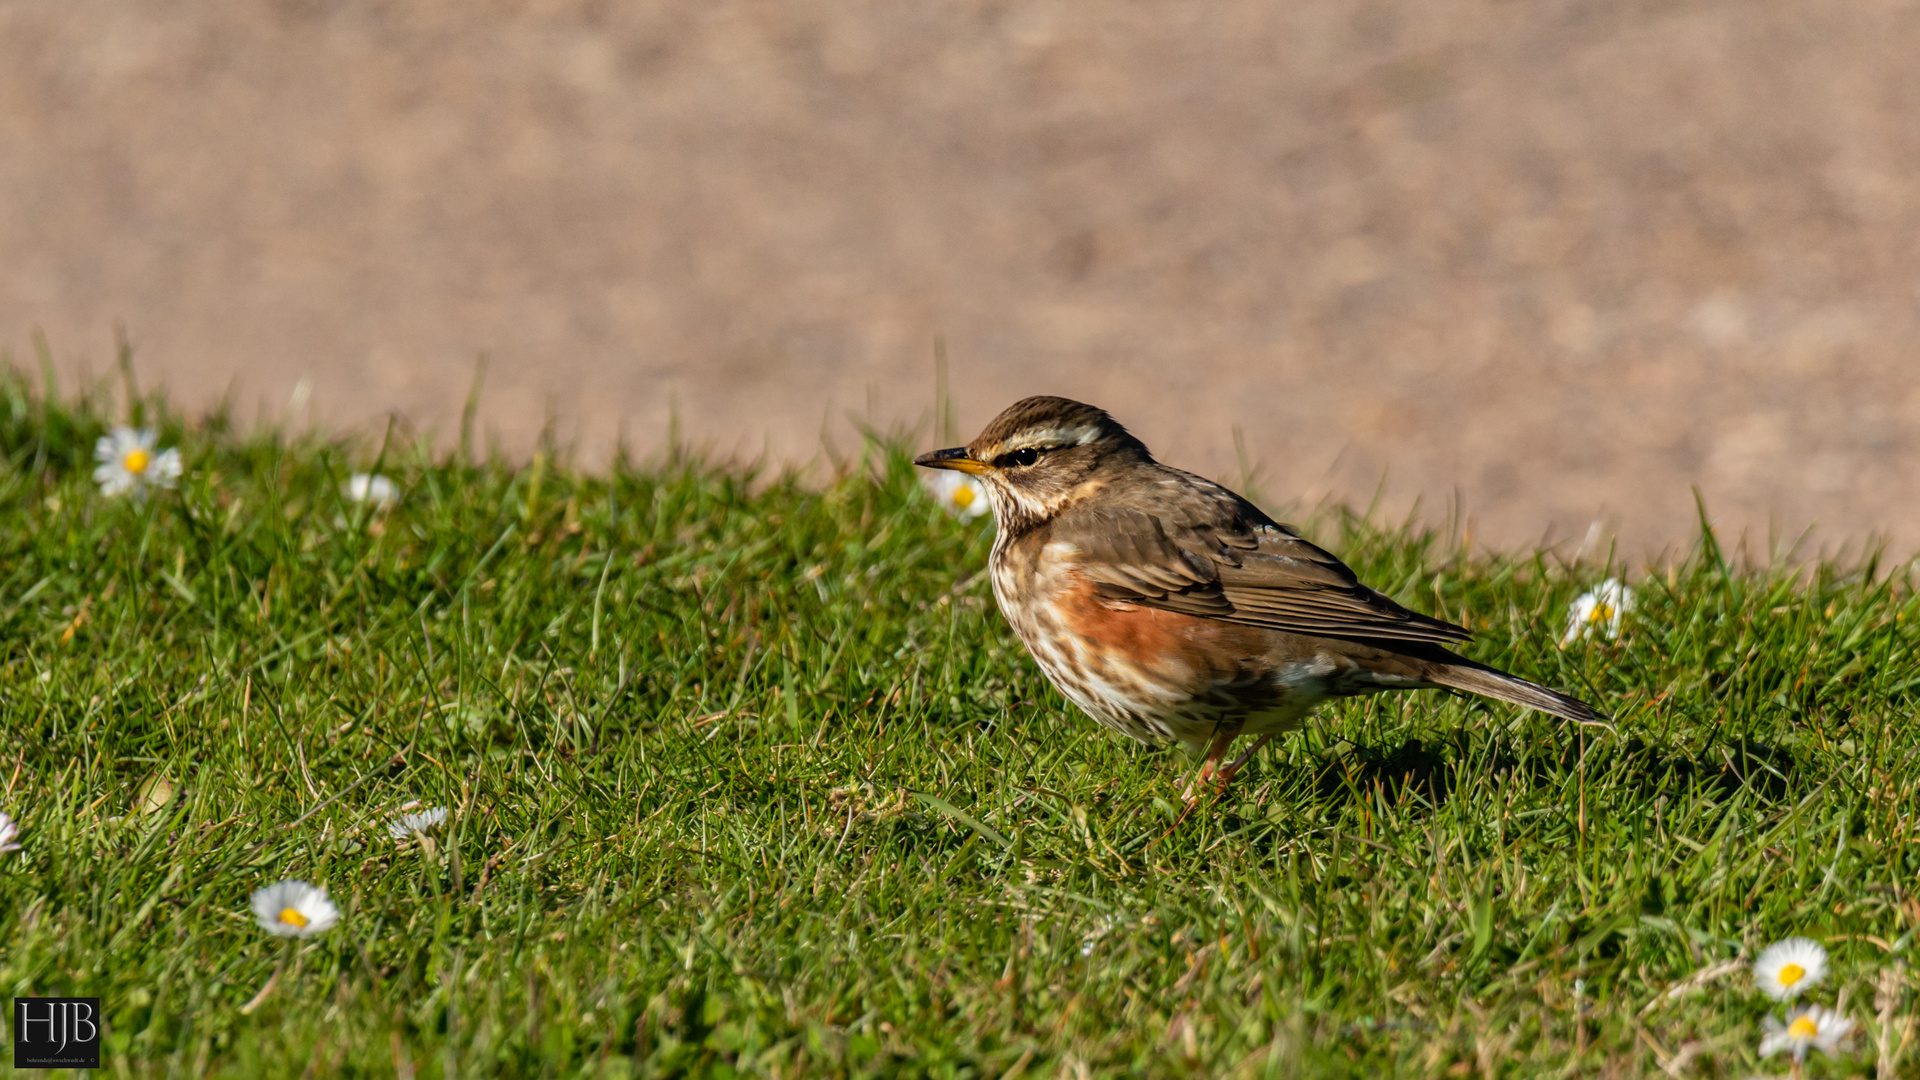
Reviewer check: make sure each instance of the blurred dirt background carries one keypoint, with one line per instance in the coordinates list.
(1556, 262)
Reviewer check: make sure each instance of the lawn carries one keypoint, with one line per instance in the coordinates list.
(746, 776)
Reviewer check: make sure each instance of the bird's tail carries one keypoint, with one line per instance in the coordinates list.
(1474, 678)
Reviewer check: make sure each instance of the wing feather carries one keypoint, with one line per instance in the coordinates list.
(1205, 551)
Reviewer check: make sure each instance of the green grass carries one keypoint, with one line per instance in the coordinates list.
(749, 777)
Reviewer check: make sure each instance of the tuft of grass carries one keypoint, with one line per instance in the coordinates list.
(748, 777)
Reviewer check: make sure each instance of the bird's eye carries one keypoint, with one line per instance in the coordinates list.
(1017, 457)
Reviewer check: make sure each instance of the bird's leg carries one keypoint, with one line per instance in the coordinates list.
(1223, 737)
(1233, 766)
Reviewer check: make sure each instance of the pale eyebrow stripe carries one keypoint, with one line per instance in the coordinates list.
(1053, 438)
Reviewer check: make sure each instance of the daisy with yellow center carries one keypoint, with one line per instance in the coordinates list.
(293, 908)
(131, 462)
(1602, 609)
(1786, 968)
(957, 493)
(1811, 1028)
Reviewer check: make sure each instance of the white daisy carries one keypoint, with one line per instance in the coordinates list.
(371, 488)
(1785, 968)
(416, 824)
(294, 909)
(1811, 1028)
(130, 463)
(1604, 607)
(958, 494)
(8, 830)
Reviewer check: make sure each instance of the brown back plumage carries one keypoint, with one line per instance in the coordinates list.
(1234, 567)
(1157, 536)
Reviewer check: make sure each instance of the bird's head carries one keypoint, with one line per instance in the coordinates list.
(1041, 455)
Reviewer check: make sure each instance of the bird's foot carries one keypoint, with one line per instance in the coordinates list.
(1201, 778)
(1225, 775)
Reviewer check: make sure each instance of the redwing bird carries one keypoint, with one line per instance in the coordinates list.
(1173, 610)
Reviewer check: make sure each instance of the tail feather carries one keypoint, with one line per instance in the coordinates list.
(1475, 678)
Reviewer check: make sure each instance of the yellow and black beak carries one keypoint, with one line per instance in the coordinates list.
(956, 459)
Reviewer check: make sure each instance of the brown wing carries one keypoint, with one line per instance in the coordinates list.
(1205, 551)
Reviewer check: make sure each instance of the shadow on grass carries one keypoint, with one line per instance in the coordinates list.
(1416, 770)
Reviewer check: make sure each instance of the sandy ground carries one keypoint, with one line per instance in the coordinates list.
(1557, 262)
